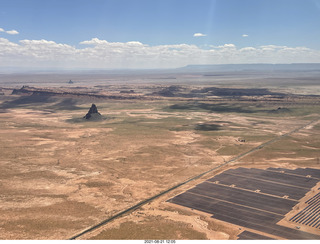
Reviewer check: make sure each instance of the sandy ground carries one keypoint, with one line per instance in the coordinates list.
(59, 174)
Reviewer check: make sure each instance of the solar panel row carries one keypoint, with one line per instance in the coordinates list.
(314, 173)
(263, 186)
(247, 235)
(314, 198)
(277, 177)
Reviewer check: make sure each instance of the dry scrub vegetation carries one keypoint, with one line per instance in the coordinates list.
(60, 174)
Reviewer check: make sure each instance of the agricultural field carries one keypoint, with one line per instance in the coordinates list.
(62, 174)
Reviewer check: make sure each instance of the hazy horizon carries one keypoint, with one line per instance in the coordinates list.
(186, 68)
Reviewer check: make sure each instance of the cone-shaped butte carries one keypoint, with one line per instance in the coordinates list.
(93, 113)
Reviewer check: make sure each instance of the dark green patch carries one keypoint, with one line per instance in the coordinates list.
(211, 107)
(99, 184)
(208, 127)
(83, 120)
(42, 103)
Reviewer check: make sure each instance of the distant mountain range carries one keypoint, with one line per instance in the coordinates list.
(251, 67)
(207, 68)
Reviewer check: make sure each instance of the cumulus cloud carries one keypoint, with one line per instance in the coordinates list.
(245, 35)
(199, 35)
(228, 46)
(94, 41)
(12, 32)
(96, 53)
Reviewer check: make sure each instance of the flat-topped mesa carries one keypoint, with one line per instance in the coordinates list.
(93, 113)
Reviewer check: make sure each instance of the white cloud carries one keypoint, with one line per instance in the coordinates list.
(8, 48)
(247, 49)
(228, 46)
(199, 35)
(245, 35)
(96, 53)
(12, 32)
(94, 41)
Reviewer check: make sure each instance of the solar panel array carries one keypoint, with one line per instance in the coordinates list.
(256, 199)
(310, 215)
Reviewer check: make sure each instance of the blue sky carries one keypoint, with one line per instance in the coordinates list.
(249, 25)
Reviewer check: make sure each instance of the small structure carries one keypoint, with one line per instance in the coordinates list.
(93, 113)
(70, 82)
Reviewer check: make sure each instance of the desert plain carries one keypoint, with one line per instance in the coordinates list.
(62, 174)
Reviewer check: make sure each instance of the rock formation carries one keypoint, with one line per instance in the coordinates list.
(93, 113)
